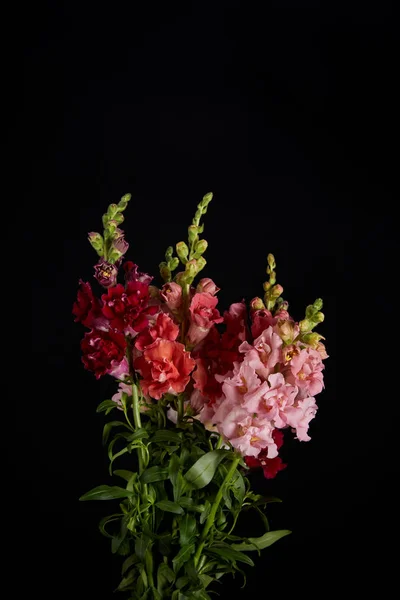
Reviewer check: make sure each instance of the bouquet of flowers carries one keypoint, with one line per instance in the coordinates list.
(202, 400)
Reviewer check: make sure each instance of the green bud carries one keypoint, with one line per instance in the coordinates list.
(276, 291)
(112, 210)
(266, 286)
(114, 255)
(173, 263)
(201, 263)
(105, 218)
(201, 247)
(271, 261)
(257, 304)
(182, 251)
(191, 269)
(118, 218)
(123, 203)
(206, 199)
(168, 253)
(192, 233)
(305, 326)
(111, 227)
(318, 304)
(97, 242)
(312, 339)
(165, 271)
(319, 317)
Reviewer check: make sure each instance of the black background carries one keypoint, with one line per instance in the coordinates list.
(286, 112)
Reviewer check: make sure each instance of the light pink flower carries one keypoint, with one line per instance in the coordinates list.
(247, 434)
(123, 389)
(305, 371)
(207, 285)
(203, 315)
(275, 401)
(120, 370)
(264, 354)
(299, 417)
(171, 293)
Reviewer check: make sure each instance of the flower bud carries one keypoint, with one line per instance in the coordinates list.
(173, 263)
(182, 251)
(312, 339)
(97, 242)
(201, 247)
(192, 233)
(165, 271)
(191, 270)
(257, 304)
(168, 253)
(112, 209)
(123, 203)
(208, 286)
(201, 263)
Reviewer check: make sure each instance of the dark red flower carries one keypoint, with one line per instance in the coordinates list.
(270, 466)
(87, 307)
(102, 351)
(132, 273)
(127, 308)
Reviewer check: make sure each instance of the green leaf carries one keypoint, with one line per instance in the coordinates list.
(262, 542)
(106, 406)
(183, 556)
(127, 582)
(231, 554)
(202, 472)
(165, 577)
(139, 434)
(129, 562)
(206, 512)
(142, 544)
(154, 474)
(124, 474)
(165, 435)
(238, 487)
(106, 492)
(169, 506)
(187, 529)
(205, 579)
(109, 426)
(118, 539)
(109, 519)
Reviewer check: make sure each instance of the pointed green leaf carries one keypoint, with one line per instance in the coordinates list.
(106, 406)
(203, 470)
(129, 562)
(166, 435)
(106, 492)
(183, 556)
(262, 542)
(124, 474)
(142, 544)
(187, 529)
(154, 474)
(109, 426)
(169, 506)
(231, 554)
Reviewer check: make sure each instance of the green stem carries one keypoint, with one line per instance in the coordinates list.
(181, 409)
(214, 508)
(185, 310)
(138, 422)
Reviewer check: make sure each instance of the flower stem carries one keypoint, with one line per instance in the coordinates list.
(138, 422)
(214, 508)
(181, 409)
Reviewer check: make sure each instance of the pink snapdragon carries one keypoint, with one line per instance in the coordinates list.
(305, 371)
(265, 353)
(203, 315)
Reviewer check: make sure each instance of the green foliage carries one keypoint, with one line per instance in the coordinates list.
(177, 515)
